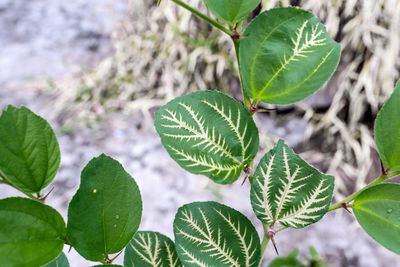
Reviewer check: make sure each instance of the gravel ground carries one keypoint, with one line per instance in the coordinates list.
(47, 39)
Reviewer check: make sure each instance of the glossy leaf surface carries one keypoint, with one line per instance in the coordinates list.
(61, 261)
(29, 151)
(387, 131)
(286, 55)
(212, 234)
(31, 233)
(377, 209)
(232, 11)
(151, 249)
(106, 210)
(287, 190)
(208, 133)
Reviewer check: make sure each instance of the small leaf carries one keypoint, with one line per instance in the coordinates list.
(61, 261)
(377, 209)
(285, 189)
(387, 131)
(106, 210)
(232, 11)
(291, 260)
(286, 56)
(208, 133)
(151, 249)
(212, 234)
(31, 233)
(29, 151)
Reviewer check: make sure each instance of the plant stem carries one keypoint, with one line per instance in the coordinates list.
(353, 196)
(204, 17)
(4, 181)
(264, 242)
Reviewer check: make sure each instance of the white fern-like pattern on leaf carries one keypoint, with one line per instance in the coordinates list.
(151, 249)
(288, 191)
(228, 239)
(208, 133)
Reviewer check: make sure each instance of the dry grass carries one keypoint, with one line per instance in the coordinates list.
(164, 52)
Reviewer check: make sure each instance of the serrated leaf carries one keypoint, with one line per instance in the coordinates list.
(232, 11)
(212, 234)
(151, 249)
(286, 190)
(31, 233)
(208, 133)
(61, 261)
(286, 55)
(29, 151)
(377, 209)
(106, 210)
(387, 131)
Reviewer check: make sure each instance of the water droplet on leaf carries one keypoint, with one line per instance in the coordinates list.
(94, 191)
(115, 225)
(389, 210)
(117, 216)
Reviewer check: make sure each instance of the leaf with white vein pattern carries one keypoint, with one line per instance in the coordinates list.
(208, 133)
(212, 234)
(286, 190)
(286, 56)
(151, 249)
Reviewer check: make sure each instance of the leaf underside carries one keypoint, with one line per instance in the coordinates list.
(387, 131)
(151, 249)
(286, 55)
(208, 133)
(212, 234)
(286, 190)
(31, 233)
(29, 151)
(377, 209)
(106, 210)
(231, 11)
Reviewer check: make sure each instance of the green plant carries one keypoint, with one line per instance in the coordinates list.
(284, 55)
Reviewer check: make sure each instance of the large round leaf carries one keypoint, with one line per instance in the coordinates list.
(285, 189)
(212, 234)
(61, 261)
(106, 210)
(151, 249)
(208, 133)
(377, 209)
(29, 151)
(286, 55)
(231, 11)
(387, 131)
(31, 233)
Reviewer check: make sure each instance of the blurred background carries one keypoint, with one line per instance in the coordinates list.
(98, 69)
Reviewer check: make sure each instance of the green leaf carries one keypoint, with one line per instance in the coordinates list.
(212, 234)
(29, 151)
(387, 131)
(61, 261)
(232, 11)
(208, 133)
(108, 265)
(106, 210)
(285, 189)
(151, 249)
(286, 55)
(31, 233)
(377, 209)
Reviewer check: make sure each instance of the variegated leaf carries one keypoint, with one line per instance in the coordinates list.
(286, 56)
(211, 234)
(208, 133)
(286, 190)
(151, 249)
